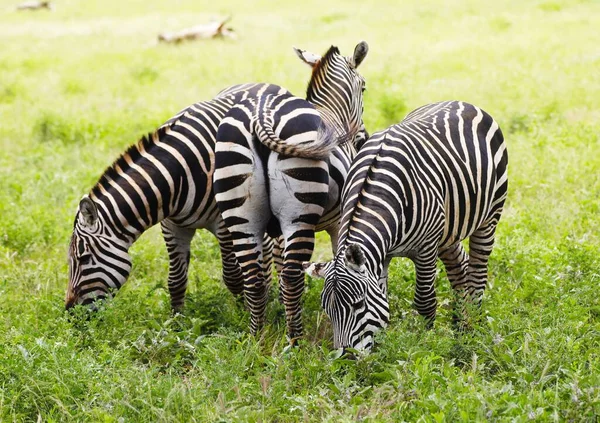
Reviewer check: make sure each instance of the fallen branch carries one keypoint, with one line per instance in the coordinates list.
(205, 31)
(35, 5)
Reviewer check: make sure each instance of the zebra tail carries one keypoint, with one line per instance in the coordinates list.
(310, 144)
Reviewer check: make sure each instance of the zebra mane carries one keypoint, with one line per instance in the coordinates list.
(352, 203)
(310, 90)
(336, 286)
(112, 172)
(341, 134)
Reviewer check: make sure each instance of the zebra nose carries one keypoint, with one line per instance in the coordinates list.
(70, 302)
(348, 354)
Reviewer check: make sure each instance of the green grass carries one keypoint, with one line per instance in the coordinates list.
(79, 84)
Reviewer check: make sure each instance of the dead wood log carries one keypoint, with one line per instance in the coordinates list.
(35, 5)
(204, 31)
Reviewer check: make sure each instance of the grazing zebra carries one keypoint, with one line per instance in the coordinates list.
(416, 190)
(166, 177)
(280, 166)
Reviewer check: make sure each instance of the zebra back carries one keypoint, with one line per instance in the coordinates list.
(451, 154)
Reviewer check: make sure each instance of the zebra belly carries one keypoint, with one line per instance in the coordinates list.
(466, 209)
(207, 220)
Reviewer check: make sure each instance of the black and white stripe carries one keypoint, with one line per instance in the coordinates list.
(165, 178)
(416, 190)
(281, 163)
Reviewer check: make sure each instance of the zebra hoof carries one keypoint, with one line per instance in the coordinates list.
(175, 310)
(289, 349)
(429, 324)
(292, 345)
(349, 354)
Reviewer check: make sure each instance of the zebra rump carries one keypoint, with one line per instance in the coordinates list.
(303, 134)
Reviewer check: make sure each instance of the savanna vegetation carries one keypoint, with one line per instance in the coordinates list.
(81, 83)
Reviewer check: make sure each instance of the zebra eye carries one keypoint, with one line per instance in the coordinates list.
(81, 248)
(85, 259)
(360, 304)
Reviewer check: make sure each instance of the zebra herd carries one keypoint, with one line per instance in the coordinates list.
(263, 170)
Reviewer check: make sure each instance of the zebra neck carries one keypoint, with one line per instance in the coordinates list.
(113, 222)
(140, 189)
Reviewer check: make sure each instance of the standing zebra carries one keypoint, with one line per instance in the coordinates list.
(416, 190)
(280, 166)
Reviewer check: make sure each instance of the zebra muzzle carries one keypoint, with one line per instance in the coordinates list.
(348, 354)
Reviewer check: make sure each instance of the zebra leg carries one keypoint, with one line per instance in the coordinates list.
(178, 241)
(242, 198)
(383, 278)
(456, 262)
(425, 299)
(255, 290)
(247, 245)
(334, 236)
(233, 278)
(268, 248)
(247, 238)
(299, 246)
(248, 276)
(278, 260)
(298, 195)
(481, 243)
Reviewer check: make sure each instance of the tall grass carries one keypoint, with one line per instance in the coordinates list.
(79, 84)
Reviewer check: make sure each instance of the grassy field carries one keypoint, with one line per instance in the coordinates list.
(79, 84)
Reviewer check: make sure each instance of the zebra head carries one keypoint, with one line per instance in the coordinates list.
(99, 263)
(336, 88)
(352, 298)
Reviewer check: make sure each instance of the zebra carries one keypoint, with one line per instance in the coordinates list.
(165, 178)
(416, 190)
(280, 165)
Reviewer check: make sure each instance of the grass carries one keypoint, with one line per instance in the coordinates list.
(79, 84)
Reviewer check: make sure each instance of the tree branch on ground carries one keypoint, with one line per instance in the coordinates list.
(204, 31)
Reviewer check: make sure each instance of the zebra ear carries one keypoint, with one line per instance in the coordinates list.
(311, 59)
(88, 211)
(314, 270)
(355, 258)
(360, 52)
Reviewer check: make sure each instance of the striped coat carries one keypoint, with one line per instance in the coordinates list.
(281, 163)
(416, 190)
(165, 178)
